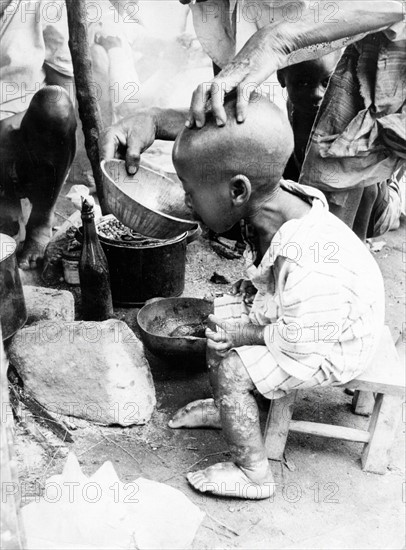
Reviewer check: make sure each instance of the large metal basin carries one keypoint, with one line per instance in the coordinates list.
(147, 202)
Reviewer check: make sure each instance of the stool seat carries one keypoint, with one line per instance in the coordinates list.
(385, 373)
(385, 377)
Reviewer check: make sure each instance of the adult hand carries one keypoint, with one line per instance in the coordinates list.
(129, 138)
(255, 62)
(246, 289)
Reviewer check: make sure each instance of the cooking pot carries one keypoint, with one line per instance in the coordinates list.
(13, 313)
(139, 271)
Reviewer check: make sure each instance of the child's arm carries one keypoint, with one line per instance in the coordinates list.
(234, 335)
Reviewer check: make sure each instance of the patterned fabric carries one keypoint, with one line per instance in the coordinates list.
(359, 136)
(33, 33)
(321, 297)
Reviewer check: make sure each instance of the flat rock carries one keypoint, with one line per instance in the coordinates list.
(95, 371)
(48, 304)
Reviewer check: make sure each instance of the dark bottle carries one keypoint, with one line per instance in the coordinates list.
(94, 274)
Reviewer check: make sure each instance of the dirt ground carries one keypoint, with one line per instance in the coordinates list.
(323, 498)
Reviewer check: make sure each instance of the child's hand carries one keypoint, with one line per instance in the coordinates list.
(246, 288)
(233, 335)
(217, 342)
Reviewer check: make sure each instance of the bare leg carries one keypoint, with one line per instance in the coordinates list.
(364, 211)
(249, 476)
(47, 137)
(348, 211)
(202, 413)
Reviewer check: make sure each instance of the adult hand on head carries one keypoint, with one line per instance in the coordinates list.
(129, 138)
(284, 43)
(255, 62)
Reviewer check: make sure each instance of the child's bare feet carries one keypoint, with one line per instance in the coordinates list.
(202, 413)
(34, 247)
(227, 479)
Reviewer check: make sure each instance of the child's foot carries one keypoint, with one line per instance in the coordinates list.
(202, 413)
(34, 248)
(227, 479)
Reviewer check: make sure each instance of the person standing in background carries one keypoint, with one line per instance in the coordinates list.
(37, 120)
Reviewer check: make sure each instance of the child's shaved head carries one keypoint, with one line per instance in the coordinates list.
(259, 148)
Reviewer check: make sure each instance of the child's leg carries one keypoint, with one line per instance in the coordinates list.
(204, 413)
(249, 476)
(47, 136)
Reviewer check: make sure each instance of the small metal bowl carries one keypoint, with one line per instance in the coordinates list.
(148, 202)
(174, 327)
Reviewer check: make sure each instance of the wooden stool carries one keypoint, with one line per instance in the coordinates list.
(385, 377)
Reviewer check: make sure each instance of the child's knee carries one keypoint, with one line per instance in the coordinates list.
(52, 106)
(232, 375)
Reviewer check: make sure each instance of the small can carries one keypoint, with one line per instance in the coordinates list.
(70, 262)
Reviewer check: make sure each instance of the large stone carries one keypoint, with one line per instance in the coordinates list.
(96, 371)
(48, 304)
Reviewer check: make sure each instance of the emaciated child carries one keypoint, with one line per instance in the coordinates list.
(318, 312)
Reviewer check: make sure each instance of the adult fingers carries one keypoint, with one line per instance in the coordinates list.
(217, 92)
(243, 99)
(197, 111)
(133, 153)
(108, 142)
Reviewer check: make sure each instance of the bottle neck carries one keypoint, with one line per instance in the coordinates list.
(89, 227)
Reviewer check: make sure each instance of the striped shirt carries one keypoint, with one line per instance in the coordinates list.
(320, 295)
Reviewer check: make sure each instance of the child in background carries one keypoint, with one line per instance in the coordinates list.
(37, 121)
(306, 83)
(319, 309)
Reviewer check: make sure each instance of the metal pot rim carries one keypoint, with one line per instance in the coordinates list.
(154, 302)
(123, 244)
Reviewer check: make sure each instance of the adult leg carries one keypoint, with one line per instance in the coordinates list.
(345, 204)
(249, 475)
(47, 138)
(364, 211)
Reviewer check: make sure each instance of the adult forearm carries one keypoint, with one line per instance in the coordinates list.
(319, 32)
(168, 122)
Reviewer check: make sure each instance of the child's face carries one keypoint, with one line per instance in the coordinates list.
(307, 82)
(210, 203)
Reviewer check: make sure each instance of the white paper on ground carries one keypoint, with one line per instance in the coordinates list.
(100, 512)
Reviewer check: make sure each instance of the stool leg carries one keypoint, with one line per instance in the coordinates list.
(277, 425)
(363, 402)
(382, 429)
